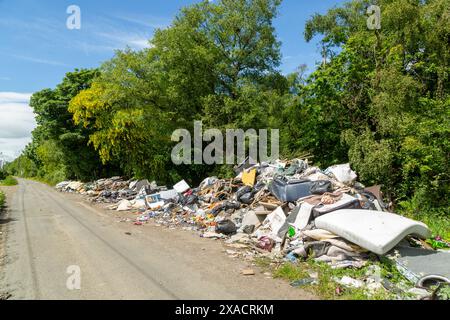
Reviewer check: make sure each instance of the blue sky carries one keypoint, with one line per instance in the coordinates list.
(36, 48)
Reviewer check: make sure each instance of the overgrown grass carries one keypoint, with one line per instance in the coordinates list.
(9, 181)
(326, 287)
(438, 220)
(439, 226)
(2, 200)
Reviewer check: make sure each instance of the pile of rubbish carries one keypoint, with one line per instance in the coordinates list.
(286, 211)
(110, 190)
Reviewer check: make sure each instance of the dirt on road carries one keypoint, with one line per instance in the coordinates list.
(55, 242)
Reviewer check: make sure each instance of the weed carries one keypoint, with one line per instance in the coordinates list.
(9, 181)
(2, 200)
(327, 288)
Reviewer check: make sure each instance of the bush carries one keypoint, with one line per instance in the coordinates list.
(54, 177)
(2, 174)
(9, 181)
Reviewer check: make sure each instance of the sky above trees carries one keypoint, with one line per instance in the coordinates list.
(37, 49)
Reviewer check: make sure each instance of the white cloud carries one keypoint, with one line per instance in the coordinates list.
(41, 61)
(104, 34)
(140, 43)
(146, 21)
(16, 122)
(123, 39)
(14, 97)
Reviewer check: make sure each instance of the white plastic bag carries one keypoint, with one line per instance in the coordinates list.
(343, 173)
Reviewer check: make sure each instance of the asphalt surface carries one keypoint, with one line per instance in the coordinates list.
(50, 236)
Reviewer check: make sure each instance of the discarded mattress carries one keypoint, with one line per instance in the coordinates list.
(375, 231)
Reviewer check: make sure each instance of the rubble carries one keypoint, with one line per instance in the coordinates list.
(285, 211)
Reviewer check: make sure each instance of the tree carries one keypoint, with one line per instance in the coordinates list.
(59, 145)
(382, 100)
(213, 57)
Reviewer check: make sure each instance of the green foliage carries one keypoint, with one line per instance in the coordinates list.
(60, 147)
(2, 200)
(8, 181)
(3, 174)
(23, 166)
(213, 64)
(291, 272)
(443, 293)
(435, 218)
(53, 169)
(326, 285)
(382, 100)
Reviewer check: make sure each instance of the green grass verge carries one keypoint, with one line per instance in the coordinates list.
(326, 286)
(2, 200)
(9, 181)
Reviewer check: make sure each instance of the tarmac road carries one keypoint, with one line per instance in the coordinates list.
(47, 232)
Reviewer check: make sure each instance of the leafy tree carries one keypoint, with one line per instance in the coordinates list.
(60, 147)
(382, 100)
(21, 166)
(214, 57)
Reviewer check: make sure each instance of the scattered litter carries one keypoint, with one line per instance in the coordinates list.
(213, 235)
(226, 227)
(124, 205)
(343, 173)
(249, 177)
(420, 266)
(419, 293)
(350, 282)
(248, 272)
(304, 282)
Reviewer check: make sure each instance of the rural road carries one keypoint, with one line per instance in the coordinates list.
(44, 232)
